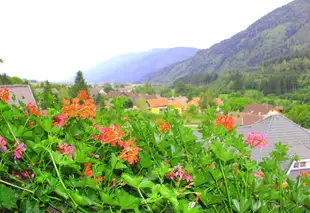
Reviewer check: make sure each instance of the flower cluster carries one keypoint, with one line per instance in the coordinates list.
(59, 120)
(164, 126)
(79, 107)
(65, 149)
(303, 174)
(32, 108)
(89, 172)
(256, 140)
(113, 135)
(130, 152)
(226, 121)
(24, 175)
(2, 144)
(18, 152)
(259, 175)
(180, 173)
(4, 95)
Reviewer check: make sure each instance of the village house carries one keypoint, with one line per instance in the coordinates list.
(244, 119)
(193, 101)
(253, 113)
(158, 105)
(124, 89)
(261, 109)
(93, 92)
(280, 129)
(21, 92)
(176, 105)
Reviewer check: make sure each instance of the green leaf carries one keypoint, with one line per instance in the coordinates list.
(146, 184)
(30, 207)
(145, 160)
(8, 197)
(126, 200)
(108, 199)
(116, 163)
(131, 180)
(222, 152)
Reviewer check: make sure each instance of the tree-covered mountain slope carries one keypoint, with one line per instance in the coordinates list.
(282, 32)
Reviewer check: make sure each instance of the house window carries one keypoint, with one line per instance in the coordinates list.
(301, 164)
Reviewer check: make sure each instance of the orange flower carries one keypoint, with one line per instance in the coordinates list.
(83, 95)
(4, 95)
(33, 109)
(226, 121)
(303, 174)
(111, 135)
(130, 152)
(88, 171)
(164, 126)
(66, 102)
(79, 107)
(99, 179)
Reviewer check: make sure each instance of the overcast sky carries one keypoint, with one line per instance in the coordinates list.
(54, 39)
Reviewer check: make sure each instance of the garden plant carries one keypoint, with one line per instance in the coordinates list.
(70, 160)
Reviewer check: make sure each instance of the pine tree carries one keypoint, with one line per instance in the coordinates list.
(79, 84)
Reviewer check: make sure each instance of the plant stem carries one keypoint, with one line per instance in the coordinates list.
(144, 200)
(226, 186)
(18, 187)
(60, 179)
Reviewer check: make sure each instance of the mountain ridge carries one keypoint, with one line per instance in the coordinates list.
(133, 67)
(276, 34)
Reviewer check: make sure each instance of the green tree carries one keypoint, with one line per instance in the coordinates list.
(300, 114)
(107, 87)
(192, 109)
(79, 84)
(1, 60)
(207, 99)
(141, 104)
(4, 79)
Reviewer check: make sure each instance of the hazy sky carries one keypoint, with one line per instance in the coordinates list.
(54, 39)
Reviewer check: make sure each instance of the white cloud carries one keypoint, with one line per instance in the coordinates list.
(53, 39)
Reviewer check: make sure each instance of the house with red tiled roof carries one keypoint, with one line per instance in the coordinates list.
(158, 105)
(261, 109)
(175, 105)
(193, 101)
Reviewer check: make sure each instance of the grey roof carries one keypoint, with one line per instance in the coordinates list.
(95, 91)
(280, 129)
(22, 93)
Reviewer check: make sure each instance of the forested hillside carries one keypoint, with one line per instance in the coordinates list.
(283, 32)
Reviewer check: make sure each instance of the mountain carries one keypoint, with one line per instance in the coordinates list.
(282, 32)
(134, 66)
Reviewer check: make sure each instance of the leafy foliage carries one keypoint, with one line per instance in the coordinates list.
(77, 162)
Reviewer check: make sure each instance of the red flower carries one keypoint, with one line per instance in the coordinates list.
(130, 152)
(226, 121)
(113, 135)
(304, 174)
(4, 95)
(79, 107)
(88, 171)
(164, 126)
(33, 109)
(83, 95)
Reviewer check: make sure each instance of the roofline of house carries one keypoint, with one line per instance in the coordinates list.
(281, 116)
